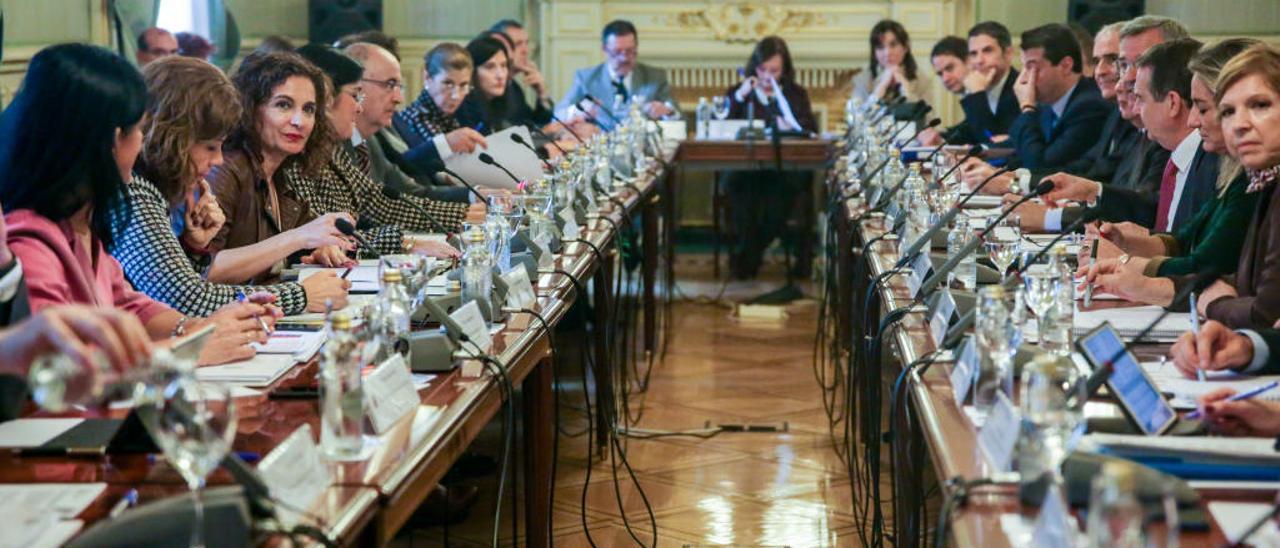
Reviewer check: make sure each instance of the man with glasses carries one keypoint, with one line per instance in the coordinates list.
(619, 76)
(384, 153)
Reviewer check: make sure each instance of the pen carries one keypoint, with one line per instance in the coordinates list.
(127, 501)
(346, 272)
(249, 456)
(1240, 397)
(240, 296)
(1093, 260)
(1195, 327)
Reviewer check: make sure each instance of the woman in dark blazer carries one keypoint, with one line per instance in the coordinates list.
(494, 103)
(763, 200)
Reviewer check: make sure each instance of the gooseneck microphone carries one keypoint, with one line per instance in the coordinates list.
(551, 139)
(575, 135)
(520, 141)
(603, 109)
(1088, 215)
(946, 218)
(932, 124)
(344, 226)
(440, 167)
(396, 194)
(486, 158)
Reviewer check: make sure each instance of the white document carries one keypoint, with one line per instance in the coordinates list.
(295, 472)
(519, 160)
(23, 433)
(364, 279)
(1255, 451)
(260, 370)
(57, 500)
(1185, 391)
(1129, 321)
(1235, 518)
(288, 342)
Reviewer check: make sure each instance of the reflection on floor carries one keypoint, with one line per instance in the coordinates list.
(745, 489)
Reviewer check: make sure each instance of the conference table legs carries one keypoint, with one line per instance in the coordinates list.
(649, 267)
(539, 437)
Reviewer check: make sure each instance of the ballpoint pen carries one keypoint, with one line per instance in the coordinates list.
(1240, 397)
(240, 297)
(1093, 260)
(1195, 327)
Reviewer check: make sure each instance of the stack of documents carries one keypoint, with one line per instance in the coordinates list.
(259, 371)
(1196, 457)
(1130, 321)
(1186, 391)
(302, 345)
(315, 320)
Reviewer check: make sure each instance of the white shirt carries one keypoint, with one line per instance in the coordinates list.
(9, 283)
(993, 94)
(1182, 157)
(1060, 105)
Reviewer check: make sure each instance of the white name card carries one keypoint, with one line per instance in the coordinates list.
(941, 319)
(962, 373)
(471, 321)
(1000, 433)
(569, 218)
(920, 266)
(1054, 526)
(296, 473)
(519, 289)
(389, 393)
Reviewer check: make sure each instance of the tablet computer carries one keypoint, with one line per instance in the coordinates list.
(1139, 397)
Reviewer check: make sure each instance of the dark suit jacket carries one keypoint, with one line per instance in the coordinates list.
(797, 99)
(979, 121)
(490, 115)
(1200, 187)
(1102, 160)
(1257, 279)
(408, 170)
(1132, 194)
(1073, 134)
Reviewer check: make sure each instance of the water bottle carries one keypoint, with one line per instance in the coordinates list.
(394, 312)
(916, 204)
(477, 264)
(993, 326)
(341, 391)
(1056, 331)
(965, 275)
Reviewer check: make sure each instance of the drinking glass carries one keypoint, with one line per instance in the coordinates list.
(194, 426)
(994, 330)
(1042, 291)
(1117, 516)
(1051, 391)
(1002, 243)
(720, 107)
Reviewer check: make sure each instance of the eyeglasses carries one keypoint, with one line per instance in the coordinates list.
(454, 89)
(390, 85)
(357, 95)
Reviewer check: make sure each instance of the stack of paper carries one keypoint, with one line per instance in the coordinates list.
(1233, 451)
(1186, 390)
(314, 320)
(261, 370)
(44, 514)
(1129, 321)
(301, 345)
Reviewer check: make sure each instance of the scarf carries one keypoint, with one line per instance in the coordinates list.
(1262, 179)
(426, 119)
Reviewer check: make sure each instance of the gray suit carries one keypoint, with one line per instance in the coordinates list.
(383, 168)
(646, 81)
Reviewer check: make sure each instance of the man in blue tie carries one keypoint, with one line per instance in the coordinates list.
(1062, 112)
(617, 80)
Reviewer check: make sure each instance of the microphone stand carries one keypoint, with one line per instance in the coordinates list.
(520, 141)
(440, 166)
(551, 139)
(606, 112)
(486, 158)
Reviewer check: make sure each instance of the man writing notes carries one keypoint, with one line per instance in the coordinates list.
(619, 75)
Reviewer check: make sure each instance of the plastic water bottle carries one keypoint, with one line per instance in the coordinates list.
(341, 391)
(477, 266)
(1056, 333)
(394, 311)
(965, 275)
(704, 119)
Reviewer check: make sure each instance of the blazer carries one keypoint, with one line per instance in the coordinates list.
(1257, 278)
(979, 121)
(241, 190)
(394, 164)
(490, 115)
(1200, 188)
(1133, 193)
(796, 96)
(646, 80)
(1069, 138)
(1102, 161)
(1213, 236)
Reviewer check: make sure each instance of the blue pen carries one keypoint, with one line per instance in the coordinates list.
(1240, 397)
(1195, 328)
(249, 456)
(240, 297)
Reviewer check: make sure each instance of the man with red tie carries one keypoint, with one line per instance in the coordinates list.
(1163, 97)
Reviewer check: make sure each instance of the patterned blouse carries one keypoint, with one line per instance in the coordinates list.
(342, 186)
(156, 264)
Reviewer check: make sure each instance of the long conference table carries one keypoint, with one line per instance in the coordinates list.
(932, 430)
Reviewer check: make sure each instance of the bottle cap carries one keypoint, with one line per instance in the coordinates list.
(392, 275)
(340, 320)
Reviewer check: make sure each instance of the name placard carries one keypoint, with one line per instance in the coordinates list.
(296, 473)
(569, 223)
(389, 394)
(471, 321)
(941, 318)
(1000, 433)
(519, 289)
(962, 373)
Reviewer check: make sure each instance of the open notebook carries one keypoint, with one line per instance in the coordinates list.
(1185, 391)
(1129, 321)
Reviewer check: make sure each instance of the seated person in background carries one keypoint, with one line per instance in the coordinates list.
(86, 103)
(1212, 237)
(494, 104)
(762, 204)
(1062, 112)
(1085, 39)
(893, 71)
(341, 186)
(619, 75)
(948, 60)
(191, 106)
(284, 126)
(989, 105)
(524, 72)
(428, 125)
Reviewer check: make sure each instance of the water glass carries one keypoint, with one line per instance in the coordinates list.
(995, 330)
(1051, 391)
(1002, 242)
(1118, 518)
(720, 107)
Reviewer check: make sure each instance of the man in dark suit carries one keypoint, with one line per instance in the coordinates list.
(1062, 112)
(620, 74)
(990, 107)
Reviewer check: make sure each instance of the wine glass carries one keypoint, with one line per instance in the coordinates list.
(194, 426)
(720, 107)
(1002, 242)
(1042, 291)
(1118, 517)
(1051, 391)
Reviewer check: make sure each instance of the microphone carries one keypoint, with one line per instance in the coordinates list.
(606, 112)
(486, 158)
(438, 165)
(973, 244)
(520, 141)
(396, 194)
(1087, 216)
(551, 139)
(887, 107)
(344, 226)
(566, 128)
(946, 218)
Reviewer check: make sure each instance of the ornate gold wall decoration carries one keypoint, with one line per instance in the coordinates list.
(744, 22)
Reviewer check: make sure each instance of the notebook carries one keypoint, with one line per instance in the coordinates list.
(1185, 391)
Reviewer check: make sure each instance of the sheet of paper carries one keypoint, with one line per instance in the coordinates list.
(1224, 450)
(288, 342)
(1185, 391)
(1129, 321)
(364, 279)
(354, 302)
(519, 160)
(1235, 518)
(60, 500)
(33, 432)
(261, 370)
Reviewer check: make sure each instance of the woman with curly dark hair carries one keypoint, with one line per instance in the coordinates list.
(191, 107)
(283, 127)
